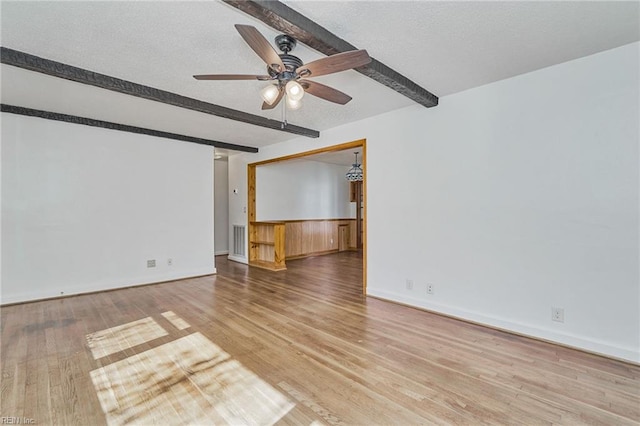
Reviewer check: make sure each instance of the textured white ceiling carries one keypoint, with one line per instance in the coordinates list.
(446, 47)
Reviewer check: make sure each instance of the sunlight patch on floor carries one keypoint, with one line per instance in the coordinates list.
(187, 381)
(177, 322)
(119, 338)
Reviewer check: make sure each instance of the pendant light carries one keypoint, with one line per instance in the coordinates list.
(355, 172)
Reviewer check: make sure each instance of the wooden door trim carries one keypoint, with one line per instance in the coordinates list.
(340, 147)
(251, 192)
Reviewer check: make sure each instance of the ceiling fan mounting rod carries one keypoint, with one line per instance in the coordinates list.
(285, 43)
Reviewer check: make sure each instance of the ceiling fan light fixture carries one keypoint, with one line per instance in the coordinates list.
(292, 103)
(289, 73)
(294, 90)
(270, 94)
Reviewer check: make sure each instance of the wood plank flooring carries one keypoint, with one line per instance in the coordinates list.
(299, 347)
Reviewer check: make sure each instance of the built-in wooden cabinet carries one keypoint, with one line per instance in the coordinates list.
(343, 237)
(355, 191)
(356, 195)
(266, 245)
(270, 243)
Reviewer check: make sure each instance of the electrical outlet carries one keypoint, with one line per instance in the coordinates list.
(409, 284)
(557, 314)
(169, 261)
(151, 263)
(429, 288)
(332, 241)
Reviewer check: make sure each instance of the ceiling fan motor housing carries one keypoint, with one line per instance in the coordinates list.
(285, 43)
(291, 63)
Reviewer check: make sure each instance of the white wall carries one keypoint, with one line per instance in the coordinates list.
(301, 189)
(221, 206)
(510, 198)
(238, 200)
(84, 208)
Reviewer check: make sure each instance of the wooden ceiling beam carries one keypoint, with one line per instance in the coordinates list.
(282, 18)
(85, 121)
(57, 69)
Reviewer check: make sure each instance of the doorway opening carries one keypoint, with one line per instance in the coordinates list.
(276, 245)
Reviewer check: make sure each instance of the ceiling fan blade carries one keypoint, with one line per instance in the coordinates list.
(231, 77)
(335, 63)
(325, 92)
(261, 46)
(275, 103)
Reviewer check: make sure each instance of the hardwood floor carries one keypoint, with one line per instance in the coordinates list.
(303, 347)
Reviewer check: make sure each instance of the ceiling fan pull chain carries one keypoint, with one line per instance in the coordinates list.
(284, 115)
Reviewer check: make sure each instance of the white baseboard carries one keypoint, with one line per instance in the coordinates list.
(566, 339)
(221, 253)
(51, 291)
(239, 259)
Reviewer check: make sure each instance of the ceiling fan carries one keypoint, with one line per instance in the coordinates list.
(288, 75)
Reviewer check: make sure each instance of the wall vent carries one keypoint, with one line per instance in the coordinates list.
(238, 240)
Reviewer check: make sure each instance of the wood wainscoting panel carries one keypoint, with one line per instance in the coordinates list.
(313, 237)
(353, 235)
(343, 237)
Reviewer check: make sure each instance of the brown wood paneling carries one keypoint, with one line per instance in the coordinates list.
(353, 235)
(278, 250)
(314, 237)
(251, 212)
(343, 237)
